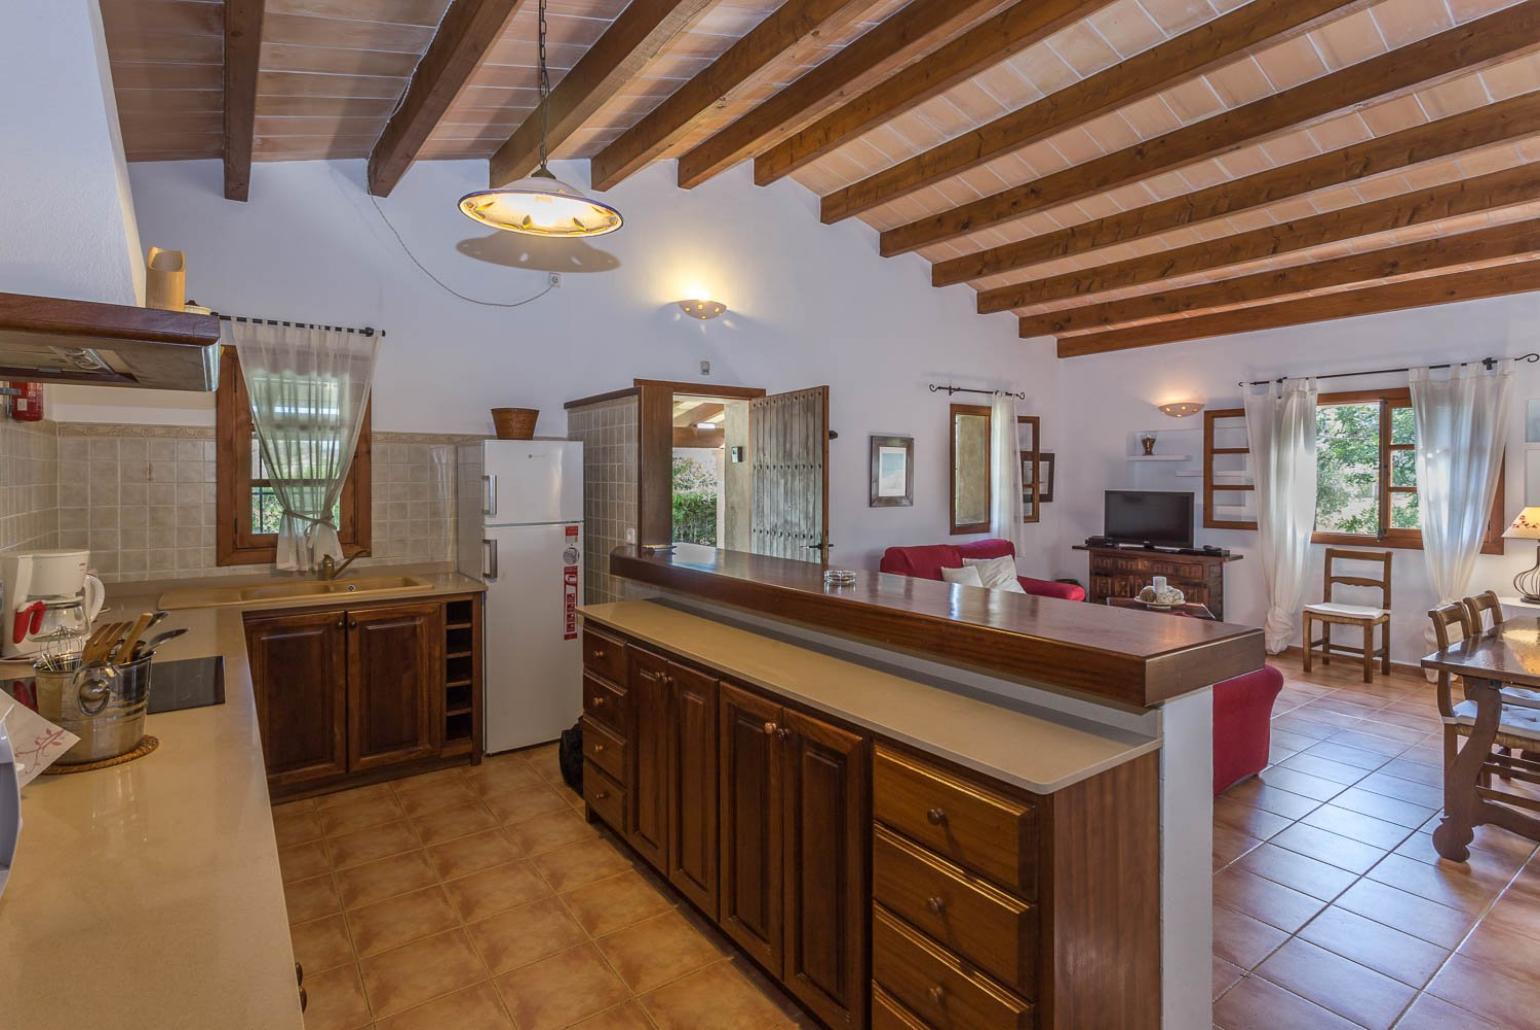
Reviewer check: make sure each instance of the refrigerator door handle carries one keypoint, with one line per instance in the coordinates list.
(489, 563)
(489, 495)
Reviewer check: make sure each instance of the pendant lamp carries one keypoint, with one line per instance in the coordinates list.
(540, 204)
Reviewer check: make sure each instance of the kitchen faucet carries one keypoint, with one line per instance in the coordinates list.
(331, 570)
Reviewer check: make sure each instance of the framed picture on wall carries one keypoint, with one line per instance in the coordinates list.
(892, 471)
(1042, 481)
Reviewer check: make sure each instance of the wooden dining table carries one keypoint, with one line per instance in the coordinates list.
(1508, 655)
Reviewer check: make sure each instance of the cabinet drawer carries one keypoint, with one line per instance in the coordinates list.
(605, 702)
(984, 925)
(606, 797)
(937, 986)
(604, 656)
(888, 1014)
(982, 831)
(604, 749)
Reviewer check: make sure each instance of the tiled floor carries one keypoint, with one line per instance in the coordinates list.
(1331, 907)
(480, 899)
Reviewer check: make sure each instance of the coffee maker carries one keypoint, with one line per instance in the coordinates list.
(49, 598)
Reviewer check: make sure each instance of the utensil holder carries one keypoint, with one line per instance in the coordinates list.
(104, 705)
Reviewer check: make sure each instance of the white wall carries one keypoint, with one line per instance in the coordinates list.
(809, 304)
(1108, 397)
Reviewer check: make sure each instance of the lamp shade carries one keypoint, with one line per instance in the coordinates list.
(541, 205)
(1526, 525)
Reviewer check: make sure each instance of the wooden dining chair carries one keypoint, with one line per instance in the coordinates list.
(1447, 616)
(1330, 613)
(1485, 611)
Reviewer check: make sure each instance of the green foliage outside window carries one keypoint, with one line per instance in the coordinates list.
(695, 502)
(1348, 469)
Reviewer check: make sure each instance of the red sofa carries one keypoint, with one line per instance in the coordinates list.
(926, 562)
(1243, 723)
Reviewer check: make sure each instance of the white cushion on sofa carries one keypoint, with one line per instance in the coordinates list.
(967, 576)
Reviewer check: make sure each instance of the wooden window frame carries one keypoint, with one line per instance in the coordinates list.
(235, 543)
(965, 528)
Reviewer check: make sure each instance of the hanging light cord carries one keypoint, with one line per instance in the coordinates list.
(545, 91)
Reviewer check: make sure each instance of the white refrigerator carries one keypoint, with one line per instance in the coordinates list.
(521, 532)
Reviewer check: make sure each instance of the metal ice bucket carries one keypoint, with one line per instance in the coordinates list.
(103, 705)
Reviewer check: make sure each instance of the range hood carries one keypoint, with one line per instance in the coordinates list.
(48, 340)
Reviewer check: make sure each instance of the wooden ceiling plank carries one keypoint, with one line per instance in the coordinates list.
(243, 50)
(1496, 281)
(915, 29)
(1235, 35)
(795, 23)
(1491, 192)
(980, 48)
(467, 31)
(629, 43)
(1506, 121)
(1463, 250)
(1470, 47)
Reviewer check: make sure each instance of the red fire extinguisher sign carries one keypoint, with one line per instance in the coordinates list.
(569, 585)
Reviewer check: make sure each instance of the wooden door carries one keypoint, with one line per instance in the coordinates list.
(395, 684)
(790, 456)
(647, 738)
(299, 674)
(749, 903)
(692, 786)
(825, 842)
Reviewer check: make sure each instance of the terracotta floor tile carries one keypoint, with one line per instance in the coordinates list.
(1273, 903)
(302, 861)
(718, 997)
(1406, 790)
(354, 797)
(396, 921)
(610, 904)
(310, 899)
(1299, 872)
(622, 1017)
(1294, 742)
(492, 777)
(1247, 818)
(1230, 844)
(420, 802)
(651, 953)
(1430, 1013)
(1435, 923)
(1301, 783)
(475, 1008)
(295, 825)
(1392, 810)
(385, 878)
(1382, 948)
(1226, 975)
(1326, 769)
(516, 804)
(1356, 826)
(1331, 848)
(1241, 940)
(407, 976)
(380, 808)
(497, 889)
(1405, 768)
(1302, 727)
(372, 844)
(443, 824)
(1343, 754)
(336, 1000)
(560, 990)
(1517, 910)
(1331, 981)
(577, 864)
(525, 934)
(468, 854)
(1447, 883)
(431, 781)
(321, 944)
(1370, 742)
(1256, 1004)
(1505, 950)
(1273, 799)
(550, 831)
(1492, 995)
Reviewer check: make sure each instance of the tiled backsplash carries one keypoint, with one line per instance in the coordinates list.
(608, 431)
(29, 476)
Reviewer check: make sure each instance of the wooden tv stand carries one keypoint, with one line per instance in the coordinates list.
(1124, 571)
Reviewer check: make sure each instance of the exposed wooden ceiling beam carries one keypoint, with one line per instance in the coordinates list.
(914, 29)
(1496, 281)
(792, 25)
(1470, 47)
(1462, 251)
(1463, 197)
(243, 48)
(980, 48)
(631, 41)
(467, 32)
(1506, 121)
(1228, 38)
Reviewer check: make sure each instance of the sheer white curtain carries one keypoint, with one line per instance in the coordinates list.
(1280, 422)
(309, 389)
(1462, 422)
(1004, 472)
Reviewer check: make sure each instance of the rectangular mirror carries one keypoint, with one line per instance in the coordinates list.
(970, 469)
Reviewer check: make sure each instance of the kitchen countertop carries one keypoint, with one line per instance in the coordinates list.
(147, 896)
(1034, 748)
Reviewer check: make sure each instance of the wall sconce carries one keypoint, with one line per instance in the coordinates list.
(705, 310)
(1181, 409)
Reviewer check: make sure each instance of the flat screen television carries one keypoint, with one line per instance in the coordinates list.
(1159, 517)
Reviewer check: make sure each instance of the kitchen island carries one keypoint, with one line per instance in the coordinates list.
(917, 804)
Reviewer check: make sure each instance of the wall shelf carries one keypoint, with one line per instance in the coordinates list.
(1160, 457)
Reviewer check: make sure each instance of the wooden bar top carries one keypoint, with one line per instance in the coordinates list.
(1136, 659)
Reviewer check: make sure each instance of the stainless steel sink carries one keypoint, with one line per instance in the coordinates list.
(299, 591)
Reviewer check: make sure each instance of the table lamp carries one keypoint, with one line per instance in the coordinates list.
(1527, 527)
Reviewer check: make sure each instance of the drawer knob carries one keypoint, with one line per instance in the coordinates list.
(598, 652)
(771, 729)
(598, 702)
(936, 816)
(598, 748)
(937, 994)
(936, 903)
(601, 795)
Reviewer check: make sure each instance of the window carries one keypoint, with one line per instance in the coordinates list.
(247, 506)
(970, 469)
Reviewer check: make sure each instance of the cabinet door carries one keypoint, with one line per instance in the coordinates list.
(299, 674)
(648, 741)
(750, 904)
(825, 841)
(692, 786)
(395, 684)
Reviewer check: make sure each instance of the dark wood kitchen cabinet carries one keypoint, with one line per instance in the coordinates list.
(647, 796)
(299, 669)
(395, 684)
(749, 784)
(692, 786)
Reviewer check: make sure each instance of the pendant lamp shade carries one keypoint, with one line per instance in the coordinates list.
(541, 205)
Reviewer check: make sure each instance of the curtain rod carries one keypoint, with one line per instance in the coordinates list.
(1490, 363)
(949, 390)
(367, 330)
